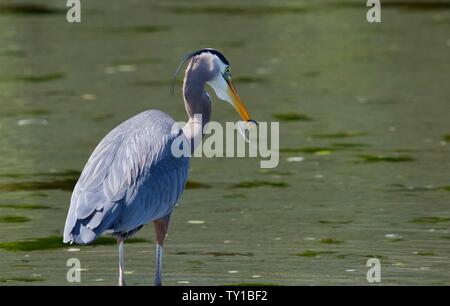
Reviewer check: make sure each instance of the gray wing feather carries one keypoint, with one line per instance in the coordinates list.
(130, 179)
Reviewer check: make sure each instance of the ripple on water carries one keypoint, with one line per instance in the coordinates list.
(311, 150)
(431, 220)
(41, 78)
(21, 280)
(404, 188)
(32, 121)
(345, 134)
(408, 5)
(65, 184)
(312, 253)
(259, 183)
(213, 253)
(55, 242)
(238, 10)
(196, 185)
(330, 241)
(24, 206)
(251, 284)
(136, 29)
(291, 117)
(28, 9)
(234, 196)
(13, 219)
(385, 158)
(424, 253)
(349, 145)
(335, 221)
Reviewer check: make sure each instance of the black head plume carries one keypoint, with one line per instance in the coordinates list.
(191, 55)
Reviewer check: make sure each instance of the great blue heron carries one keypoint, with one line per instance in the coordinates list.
(132, 178)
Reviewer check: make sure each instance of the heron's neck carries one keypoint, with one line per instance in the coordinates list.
(198, 107)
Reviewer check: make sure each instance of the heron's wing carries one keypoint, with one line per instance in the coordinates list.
(156, 193)
(131, 173)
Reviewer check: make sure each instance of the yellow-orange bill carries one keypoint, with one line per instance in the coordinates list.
(237, 102)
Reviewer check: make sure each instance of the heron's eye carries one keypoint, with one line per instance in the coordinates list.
(227, 72)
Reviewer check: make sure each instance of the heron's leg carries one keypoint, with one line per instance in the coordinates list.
(161, 227)
(120, 241)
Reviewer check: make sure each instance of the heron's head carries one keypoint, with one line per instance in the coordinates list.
(214, 69)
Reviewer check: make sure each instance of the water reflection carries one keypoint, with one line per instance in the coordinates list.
(364, 137)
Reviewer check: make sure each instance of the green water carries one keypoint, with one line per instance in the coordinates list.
(364, 136)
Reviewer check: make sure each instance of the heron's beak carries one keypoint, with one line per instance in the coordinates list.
(237, 102)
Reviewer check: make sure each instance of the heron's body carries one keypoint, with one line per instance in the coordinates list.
(130, 180)
(132, 177)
